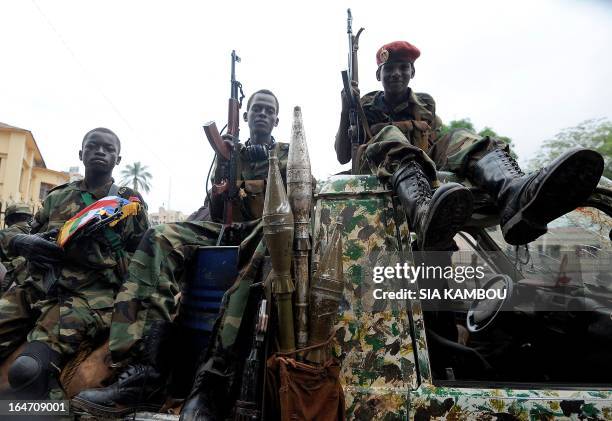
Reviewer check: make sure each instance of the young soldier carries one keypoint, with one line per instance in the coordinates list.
(17, 218)
(146, 303)
(405, 150)
(79, 282)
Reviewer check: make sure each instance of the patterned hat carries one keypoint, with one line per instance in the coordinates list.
(17, 208)
(397, 51)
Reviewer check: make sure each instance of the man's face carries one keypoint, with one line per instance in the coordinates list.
(395, 76)
(100, 152)
(262, 114)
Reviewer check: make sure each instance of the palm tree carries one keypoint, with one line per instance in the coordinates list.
(138, 176)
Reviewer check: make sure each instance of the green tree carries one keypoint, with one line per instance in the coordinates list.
(137, 176)
(593, 134)
(466, 123)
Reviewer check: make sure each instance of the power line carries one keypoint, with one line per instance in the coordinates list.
(94, 82)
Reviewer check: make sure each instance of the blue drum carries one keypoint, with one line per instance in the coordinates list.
(214, 270)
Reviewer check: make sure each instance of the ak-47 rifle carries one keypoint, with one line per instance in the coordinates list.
(248, 407)
(350, 77)
(227, 161)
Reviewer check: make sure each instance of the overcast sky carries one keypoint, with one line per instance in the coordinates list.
(155, 71)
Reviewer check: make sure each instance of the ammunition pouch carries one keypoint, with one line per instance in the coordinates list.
(298, 391)
(247, 206)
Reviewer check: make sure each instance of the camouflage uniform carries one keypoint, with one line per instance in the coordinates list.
(16, 303)
(158, 266)
(411, 132)
(16, 270)
(79, 307)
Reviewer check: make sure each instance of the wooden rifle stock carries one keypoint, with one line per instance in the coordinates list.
(216, 141)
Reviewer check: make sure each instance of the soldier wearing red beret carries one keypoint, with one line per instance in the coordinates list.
(402, 146)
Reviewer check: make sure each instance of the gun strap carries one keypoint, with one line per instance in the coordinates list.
(364, 122)
(113, 238)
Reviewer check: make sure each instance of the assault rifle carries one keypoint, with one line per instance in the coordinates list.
(248, 407)
(227, 161)
(351, 77)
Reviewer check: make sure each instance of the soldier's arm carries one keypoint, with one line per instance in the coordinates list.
(136, 227)
(343, 141)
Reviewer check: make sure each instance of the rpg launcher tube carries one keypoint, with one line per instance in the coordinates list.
(299, 190)
(325, 296)
(278, 233)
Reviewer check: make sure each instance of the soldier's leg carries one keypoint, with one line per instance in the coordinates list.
(148, 295)
(17, 317)
(143, 310)
(63, 326)
(435, 217)
(458, 148)
(526, 203)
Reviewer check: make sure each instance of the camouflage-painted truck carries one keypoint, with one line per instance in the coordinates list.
(554, 362)
(522, 363)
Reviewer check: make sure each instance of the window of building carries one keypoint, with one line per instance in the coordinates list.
(44, 190)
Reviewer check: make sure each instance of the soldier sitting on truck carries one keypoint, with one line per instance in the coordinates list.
(405, 150)
(67, 300)
(145, 306)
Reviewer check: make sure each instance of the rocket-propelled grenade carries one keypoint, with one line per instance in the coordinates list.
(325, 296)
(278, 232)
(299, 190)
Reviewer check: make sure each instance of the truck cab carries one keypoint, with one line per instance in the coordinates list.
(542, 352)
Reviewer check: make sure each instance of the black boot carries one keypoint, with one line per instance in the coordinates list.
(208, 400)
(141, 386)
(435, 218)
(35, 371)
(527, 203)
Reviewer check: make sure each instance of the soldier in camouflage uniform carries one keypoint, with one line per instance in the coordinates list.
(79, 282)
(146, 303)
(406, 150)
(17, 218)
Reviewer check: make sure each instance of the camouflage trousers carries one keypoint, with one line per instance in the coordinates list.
(62, 322)
(17, 316)
(155, 276)
(390, 149)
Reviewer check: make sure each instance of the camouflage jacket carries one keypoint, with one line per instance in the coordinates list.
(418, 106)
(16, 269)
(7, 234)
(251, 183)
(90, 266)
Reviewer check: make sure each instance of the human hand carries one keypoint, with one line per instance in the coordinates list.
(36, 248)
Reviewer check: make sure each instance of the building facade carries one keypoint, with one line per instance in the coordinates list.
(24, 176)
(165, 216)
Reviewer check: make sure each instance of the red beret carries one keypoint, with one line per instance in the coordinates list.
(397, 51)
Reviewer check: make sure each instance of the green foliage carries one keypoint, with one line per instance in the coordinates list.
(466, 123)
(593, 134)
(138, 176)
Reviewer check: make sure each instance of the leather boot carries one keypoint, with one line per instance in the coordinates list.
(141, 386)
(208, 398)
(527, 203)
(437, 217)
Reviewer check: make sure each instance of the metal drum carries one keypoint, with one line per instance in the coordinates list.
(214, 270)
